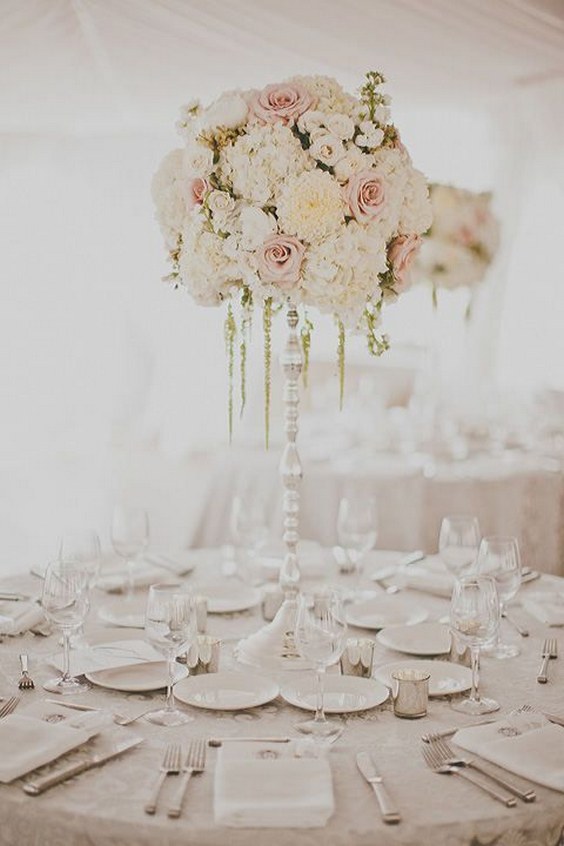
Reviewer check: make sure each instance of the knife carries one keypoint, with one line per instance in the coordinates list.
(39, 785)
(11, 596)
(368, 769)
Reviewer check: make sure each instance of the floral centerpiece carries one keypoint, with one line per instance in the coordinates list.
(297, 192)
(462, 241)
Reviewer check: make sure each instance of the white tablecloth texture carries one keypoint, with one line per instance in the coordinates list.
(104, 807)
(514, 494)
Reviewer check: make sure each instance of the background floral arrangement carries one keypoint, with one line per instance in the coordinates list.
(298, 192)
(462, 241)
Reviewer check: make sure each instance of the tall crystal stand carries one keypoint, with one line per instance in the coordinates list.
(274, 645)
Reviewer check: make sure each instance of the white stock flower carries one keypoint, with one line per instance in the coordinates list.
(371, 136)
(352, 162)
(311, 206)
(229, 111)
(168, 192)
(327, 148)
(255, 226)
(340, 125)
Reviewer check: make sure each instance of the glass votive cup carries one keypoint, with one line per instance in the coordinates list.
(358, 657)
(201, 604)
(203, 656)
(410, 693)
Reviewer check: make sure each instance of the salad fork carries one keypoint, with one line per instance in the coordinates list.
(170, 766)
(195, 763)
(25, 682)
(438, 764)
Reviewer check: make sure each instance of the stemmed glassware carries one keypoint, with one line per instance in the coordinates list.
(66, 603)
(459, 539)
(357, 528)
(130, 537)
(320, 637)
(170, 626)
(474, 620)
(499, 558)
(249, 530)
(84, 548)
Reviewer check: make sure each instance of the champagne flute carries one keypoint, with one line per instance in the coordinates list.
(357, 529)
(83, 547)
(499, 558)
(459, 539)
(320, 636)
(474, 620)
(130, 537)
(170, 626)
(65, 602)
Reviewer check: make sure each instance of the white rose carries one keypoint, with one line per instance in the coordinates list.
(256, 226)
(198, 159)
(340, 125)
(220, 202)
(327, 148)
(351, 163)
(230, 110)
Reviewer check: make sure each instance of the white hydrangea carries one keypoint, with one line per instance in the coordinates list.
(416, 213)
(311, 206)
(329, 95)
(198, 159)
(392, 166)
(255, 227)
(168, 192)
(261, 161)
(206, 268)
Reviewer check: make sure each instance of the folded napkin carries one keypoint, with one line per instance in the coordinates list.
(266, 786)
(28, 743)
(153, 567)
(525, 744)
(546, 607)
(19, 617)
(431, 576)
(103, 656)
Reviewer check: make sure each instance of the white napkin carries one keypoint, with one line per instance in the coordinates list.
(546, 607)
(19, 617)
(265, 786)
(28, 743)
(120, 653)
(525, 744)
(153, 567)
(431, 576)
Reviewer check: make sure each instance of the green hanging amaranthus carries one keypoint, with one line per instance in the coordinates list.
(230, 333)
(267, 330)
(305, 334)
(341, 361)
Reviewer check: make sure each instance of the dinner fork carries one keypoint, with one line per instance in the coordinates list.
(25, 682)
(195, 763)
(549, 650)
(9, 705)
(552, 718)
(446, 751)
(436, 763)
(170, 766)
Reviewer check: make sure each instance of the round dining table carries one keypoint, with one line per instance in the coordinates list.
(105, 806)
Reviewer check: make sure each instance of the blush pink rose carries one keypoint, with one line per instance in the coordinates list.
(279, 260)
(365, 194)
(401, 254)
(197, 190)
(281, 102)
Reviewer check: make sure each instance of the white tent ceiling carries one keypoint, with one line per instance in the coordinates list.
(99, 65)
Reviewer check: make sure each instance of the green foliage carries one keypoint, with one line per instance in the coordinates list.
(267, 331)
(230, 333)
(305, 335)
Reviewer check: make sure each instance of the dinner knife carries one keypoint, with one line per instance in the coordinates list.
(12, 596)
(39, 785)
(366, 765)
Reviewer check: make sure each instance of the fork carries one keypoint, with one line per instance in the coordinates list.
(195, 763)
(170, 766)
(436, 763)
(9, 705)
(25, 682)
(549, 650)
(446, 751)
(552, 718)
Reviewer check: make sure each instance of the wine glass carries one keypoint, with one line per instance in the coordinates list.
(474, 620)
(249, 530)
(320, 636)
(357, 528)
(499, 558)
(459, 539)
(83, 547)
(66, 603)
(170, 626)
(130, 537)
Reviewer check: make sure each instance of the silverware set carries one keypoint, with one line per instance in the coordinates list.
(440, 764)
(172, 766)
(549, 652)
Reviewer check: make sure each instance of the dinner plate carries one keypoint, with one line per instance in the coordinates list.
(136, 678)
(419, 639)
(343, 694)
(445, 678)
(382, 611)
(229, 596)
(125, 613)
(226, 691)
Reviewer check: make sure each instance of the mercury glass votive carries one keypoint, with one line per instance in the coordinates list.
(410, 693)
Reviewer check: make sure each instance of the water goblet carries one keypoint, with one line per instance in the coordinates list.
(320, 637)
(130, 537)
(459, 538)
(357, 529)
(170, 626)
(474, 619)
(499, 558)
(66, 603)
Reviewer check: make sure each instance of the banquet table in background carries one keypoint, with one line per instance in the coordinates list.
(104, 807)
(511, 494)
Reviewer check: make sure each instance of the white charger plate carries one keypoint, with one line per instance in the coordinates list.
(446, 678)
(385, 610)
(226, 691)
(419, 639)
(229, 596)
(343, 694)
(136, 678)
(128, 614)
